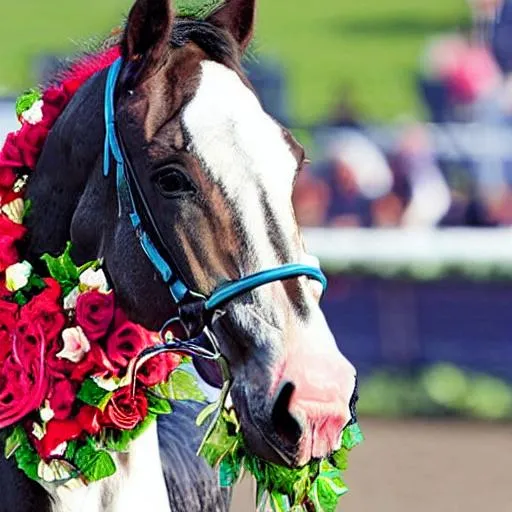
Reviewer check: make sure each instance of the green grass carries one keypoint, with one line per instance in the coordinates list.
(371, 45)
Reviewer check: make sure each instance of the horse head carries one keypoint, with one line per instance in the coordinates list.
(217, 173)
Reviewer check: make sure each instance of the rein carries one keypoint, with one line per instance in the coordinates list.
(196, 312)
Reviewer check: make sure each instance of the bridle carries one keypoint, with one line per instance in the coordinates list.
(196, 312)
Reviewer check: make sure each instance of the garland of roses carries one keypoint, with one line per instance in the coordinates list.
(66, 348)
(65, 345)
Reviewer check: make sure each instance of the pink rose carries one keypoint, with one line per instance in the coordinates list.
(75, 344)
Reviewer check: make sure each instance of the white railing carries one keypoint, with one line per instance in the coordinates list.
(339, 248)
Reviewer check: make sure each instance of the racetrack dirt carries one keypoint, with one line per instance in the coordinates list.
(424, 466)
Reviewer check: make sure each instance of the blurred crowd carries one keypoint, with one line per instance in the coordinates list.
(464, 78)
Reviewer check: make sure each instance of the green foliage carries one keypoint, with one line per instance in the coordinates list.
(183, 386)
(327, 488)
(14, 441)
(63, 269)
(119, 440)
(92, 394)
(20, 298)
(158, 405)
(352, 436)
(27, 458)
(373, 46)
(27, 100)
(71, 450)
(35, 284)
(319, 484)
(27, 208)
(439, 390)
(198, 9)
(94, 464)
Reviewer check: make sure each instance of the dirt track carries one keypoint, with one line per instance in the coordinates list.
(418, 466)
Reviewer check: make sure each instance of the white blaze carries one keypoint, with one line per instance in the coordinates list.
(243, 150)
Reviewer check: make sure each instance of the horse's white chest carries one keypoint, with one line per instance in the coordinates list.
(138, 484)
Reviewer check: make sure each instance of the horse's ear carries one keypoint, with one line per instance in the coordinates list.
(236, 16)
(148, 31)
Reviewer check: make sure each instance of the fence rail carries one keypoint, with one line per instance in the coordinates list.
(338, 248)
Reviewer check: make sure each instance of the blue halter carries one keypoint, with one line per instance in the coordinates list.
(180, 292)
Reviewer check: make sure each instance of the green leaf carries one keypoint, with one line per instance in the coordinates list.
(206, 413)
(27, 208)
(183, 386)
(340, 459)
(230, 470)
(158, 405)
(63, 269)
(118, 440)
(94, 464)
(219, 443)
(91, 394)
(143, 426)
(36, 282)
(327, 488)
(279, 502)
(95, 264)
(352, 436)
(27, 100)
(301, 485)
(70, 450)
(14, 441)
(26, 457)
(20, 299)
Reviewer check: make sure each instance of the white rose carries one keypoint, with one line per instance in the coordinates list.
(17, 276)
(94, 280)
(34, 114)
(76, 344)
(46, 412)
(71, 298)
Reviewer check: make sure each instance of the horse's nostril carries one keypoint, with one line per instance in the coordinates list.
(285, 424)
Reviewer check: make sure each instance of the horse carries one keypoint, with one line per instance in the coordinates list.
(217, 173)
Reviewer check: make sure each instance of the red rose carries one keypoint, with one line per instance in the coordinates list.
(10, 233)
(10, 156)
(55, 100)
(126, 343)
(7, 178)
(62, 398)
(58, 367)
(31, 139)
(157, 369)
(95, 362)
(124, 411)
(94, 313)
(61, 431)
(8, 313)
(45, 310)
(22, 386)
(27, 342)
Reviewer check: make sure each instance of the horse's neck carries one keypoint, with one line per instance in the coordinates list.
(137, 485)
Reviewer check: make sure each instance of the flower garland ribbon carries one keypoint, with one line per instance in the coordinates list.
(67, 400)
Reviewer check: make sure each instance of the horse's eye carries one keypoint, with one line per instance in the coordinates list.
(173, 182)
